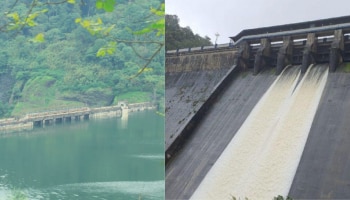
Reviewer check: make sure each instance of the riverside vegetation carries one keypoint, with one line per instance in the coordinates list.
(64, 54)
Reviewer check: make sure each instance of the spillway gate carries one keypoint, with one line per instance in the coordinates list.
(313, 42)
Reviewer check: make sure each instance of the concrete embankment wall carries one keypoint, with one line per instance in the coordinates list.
(136, 107)
(105, 114)
(190, 81)
(17, 126)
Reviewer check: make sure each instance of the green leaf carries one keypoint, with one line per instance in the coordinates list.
(110, 51)
(31, 23)
(99, 4)
(71, 1)
(14, 16)
(147, 69)
(101, 52)
(157, 26)
(39, 38)
(109, 5)
(109, 29)
(77, 20)
(86, 23)
(143, 31)
(32, 16)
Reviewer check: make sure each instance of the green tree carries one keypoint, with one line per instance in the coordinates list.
(178, 37)
(76, 50)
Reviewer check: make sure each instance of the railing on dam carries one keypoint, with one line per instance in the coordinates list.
(57, 113)
(72, 114)
(320, 41)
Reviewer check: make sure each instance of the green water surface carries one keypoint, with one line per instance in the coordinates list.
(96, 159)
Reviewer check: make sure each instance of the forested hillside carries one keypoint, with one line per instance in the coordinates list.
(65, 61)
(178, 37)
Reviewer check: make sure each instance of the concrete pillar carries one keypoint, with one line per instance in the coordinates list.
(337, 47)
(309, 52)
(58, 120)
(285, 54)
(47, 122)
(67, 119)
(242, 55)
(262, 55)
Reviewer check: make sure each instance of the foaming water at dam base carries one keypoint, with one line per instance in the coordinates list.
(261, 160)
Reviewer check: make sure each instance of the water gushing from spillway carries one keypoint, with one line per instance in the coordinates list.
(262, 158)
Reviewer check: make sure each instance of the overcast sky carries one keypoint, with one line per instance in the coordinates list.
(229, 17)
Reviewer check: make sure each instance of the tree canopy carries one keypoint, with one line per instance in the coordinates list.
(178, 37)
(74, 53)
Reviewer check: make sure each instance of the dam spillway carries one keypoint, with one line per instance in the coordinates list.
(260, 161)
(324, 166)
(227, 114)
(324, 163)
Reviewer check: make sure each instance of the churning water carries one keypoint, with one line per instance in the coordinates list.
(262, 158)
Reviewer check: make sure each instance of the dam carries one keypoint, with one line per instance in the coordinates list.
(42, 119)
(261, 117)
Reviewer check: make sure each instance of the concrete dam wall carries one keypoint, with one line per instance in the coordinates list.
(324, 163)
(276, 123)
(200, 151)
(190, 80)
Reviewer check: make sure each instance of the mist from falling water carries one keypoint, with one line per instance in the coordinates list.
(261, 160)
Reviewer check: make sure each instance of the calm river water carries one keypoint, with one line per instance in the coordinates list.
(97, 159)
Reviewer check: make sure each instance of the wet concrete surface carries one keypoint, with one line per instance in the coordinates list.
(185, 94)
(187, 169)
(324, 169)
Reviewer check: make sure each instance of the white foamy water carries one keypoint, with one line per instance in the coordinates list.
(150, 156)
(261, 160)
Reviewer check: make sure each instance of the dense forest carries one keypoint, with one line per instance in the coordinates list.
(178, 37)
(61, 59)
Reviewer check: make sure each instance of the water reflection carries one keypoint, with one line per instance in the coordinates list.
(124, 118)
(97, 159)
(99, 190)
